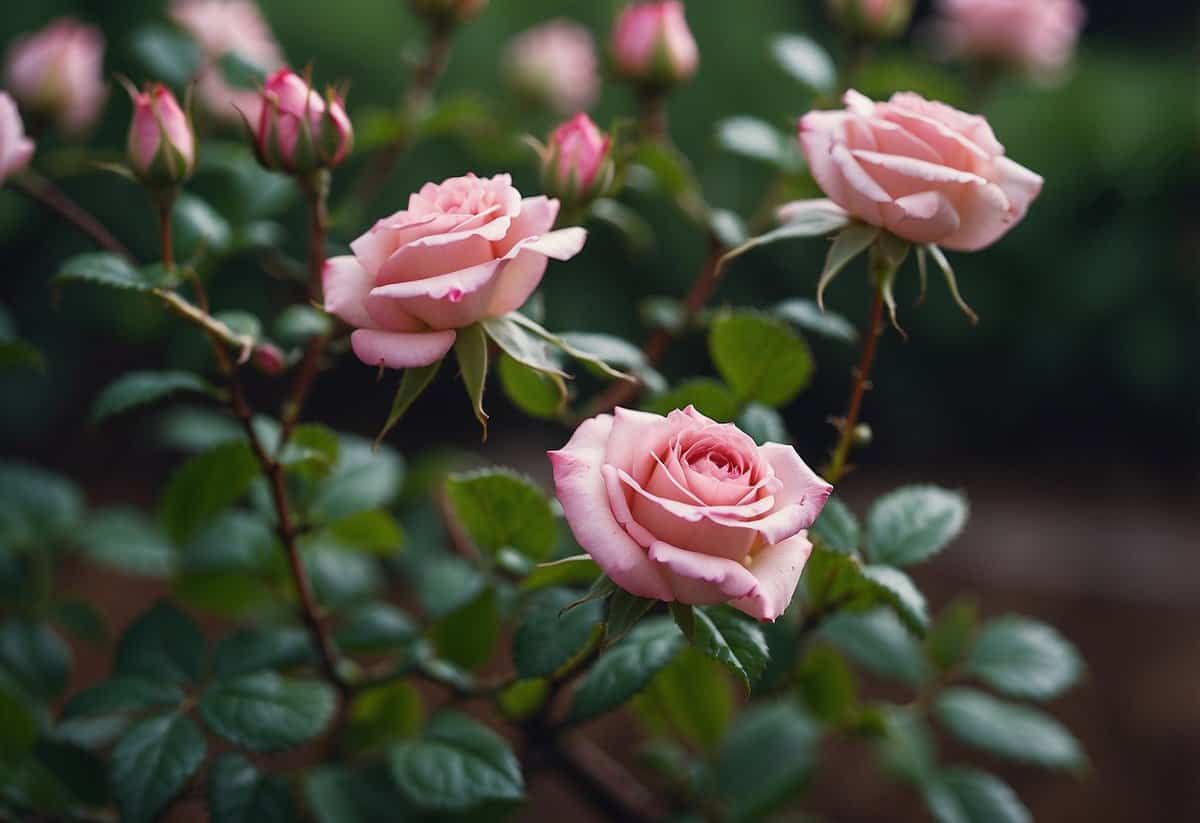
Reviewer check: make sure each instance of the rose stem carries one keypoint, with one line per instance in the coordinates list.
(43, 191)
(837, 461)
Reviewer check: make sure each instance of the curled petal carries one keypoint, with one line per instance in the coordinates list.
(346, 285)
(400, 350)
(926, 217)
(777, 570)
(702, 579)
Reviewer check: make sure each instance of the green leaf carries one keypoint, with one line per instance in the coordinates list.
(809, 317)
(166, 53)
(18, 726)
(728, 227)
(35, 656)
(205, 486)
(312, 450)
(763, 423)
(142, 388)
(385, 715)
(624, 612)
(81, 620)
(364, 478)
(17, 354)
(524, 697)
(837, 528)
(733, 641)
(107, 269)
(163, 644)
(960, 795)
(37, 507)
(760, 357)
(711, 398)
(756, 139)
(902, 594)
(914, 523)
(1009, 730)
(827, 685)
(627, 668)
(952, 636)
(458, 765)
(374, 532)
(199, 227)
(413, 384)
(547, 638)
(470, 347)
(1024, 658)
(124, 695)
(340, 578)
(298, 324)
(878, 642)
(906, 747)
(338, 794)
(690, 698)
(534, 392)
(502, 509)
(265, 712)
(445, 584)
(850, 242)
(765, 758)
(570, 571)
(806, 61)
(239, 793)
(468, 637)
(151, 764)
(376, 628)
(803, 219)
(126, 539)
(580, 347)
(523, 346)
(253, 650)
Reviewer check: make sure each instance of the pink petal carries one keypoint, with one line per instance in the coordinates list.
(536, 218)
(714, 530)
(927, 217)
(777, 570)
(637, 437)
(435, 255)
(346, 285)
(702, 579)
(398, 350)
(797, 482)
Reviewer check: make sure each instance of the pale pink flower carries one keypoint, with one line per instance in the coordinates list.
(1037, 35)
(652, 44)
(555, 64)
(57, 72)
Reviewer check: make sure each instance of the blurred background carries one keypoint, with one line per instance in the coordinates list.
(1071, 414)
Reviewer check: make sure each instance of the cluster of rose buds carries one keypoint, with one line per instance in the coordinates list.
(872, 19)
(298, 131)
(162, 144)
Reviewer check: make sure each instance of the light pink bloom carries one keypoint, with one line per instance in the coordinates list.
(157, 117)
(652, 44)
(555, 64)
(924, 171)
(683, 508)
(16, 149)
(1038, 35)
(223, 27)
(873, 18)
(577, 164)
(57, 72)
(464, 250)
(298, 131)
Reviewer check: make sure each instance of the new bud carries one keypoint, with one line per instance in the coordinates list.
(298, 131)
(161, 146)
(57, 74)
(577, 165)
(652, 45)
(268, 359)
(872, 19)
(446, 12)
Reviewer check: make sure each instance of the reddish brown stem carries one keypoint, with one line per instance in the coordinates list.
(168, 245)
(43, 191)
(862, 376)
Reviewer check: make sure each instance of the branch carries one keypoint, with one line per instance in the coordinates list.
(837, 462)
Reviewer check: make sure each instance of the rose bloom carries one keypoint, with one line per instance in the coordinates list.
(555, 64)
(874, 18)
(924, 171)
(1038, 35)
(16, 149)
(157, 116)
(653, 45)
(222, 27)
(292, 110)
(576, 163)
(683, 508)
(464, 250)
(58, 71)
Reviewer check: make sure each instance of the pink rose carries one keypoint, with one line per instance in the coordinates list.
(57, 72)
(16, 149)
(555, 65)
(653, 46)
(220, 28)
(683, 508)
(161, 146)
(577, 165)
(298, 131)
(872, 18)
(924, 171)
(464, 250)
(1038, 35)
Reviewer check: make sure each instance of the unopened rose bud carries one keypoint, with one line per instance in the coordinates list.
(57, 74)
(554, 65)
(449, 11)
(577, 166)
(15, 148)
(162, 146)
(653, 46)
(872, 19)
(268, 359)
(298, 131)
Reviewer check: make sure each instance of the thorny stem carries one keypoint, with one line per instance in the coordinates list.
(862, 377)
(43, 191)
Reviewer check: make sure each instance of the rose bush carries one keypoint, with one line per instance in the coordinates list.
(464, 250)
(684, 508)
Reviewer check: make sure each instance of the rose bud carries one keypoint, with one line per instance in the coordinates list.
(1034, 35)
(298, 131)
(554, 65)
(162, 146)
(872, 19)
(268, 359)
(652, 45)
(448, 12)
(577, 164)
(681, 508)
(57, 73)
(464, 250)
(15, 148)
(924, 171)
